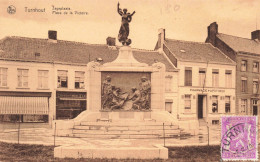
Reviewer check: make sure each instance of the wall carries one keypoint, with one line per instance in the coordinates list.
(207, 90)
(250, 75)
(33, 67)
(171, 95)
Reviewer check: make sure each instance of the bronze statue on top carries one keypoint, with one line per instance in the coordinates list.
(124, 29)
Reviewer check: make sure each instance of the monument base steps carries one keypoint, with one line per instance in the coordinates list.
(125, 130)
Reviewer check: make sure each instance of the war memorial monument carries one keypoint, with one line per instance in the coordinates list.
(125, 100)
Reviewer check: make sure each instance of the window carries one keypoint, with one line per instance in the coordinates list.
(215, 122)
(168, 83)
(202, 77)
(43, 79)
(227, 104)
(79, 79)
(62, 79)
(228, 78)
(256, 67)
(243, 105)
(23, 78)
(215, 78)
(187, 102)
(168, 106)
(3, 77)
(188, 77)
(255, 107)
(255, 86)
(214, 104)
(243, 84)
(243, 65)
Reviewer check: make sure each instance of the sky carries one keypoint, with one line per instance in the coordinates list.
(182, 19)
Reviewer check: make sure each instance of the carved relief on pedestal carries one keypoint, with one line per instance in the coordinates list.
(120, 97)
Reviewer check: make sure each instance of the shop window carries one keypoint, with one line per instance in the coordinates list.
(228, 75)
(243, 84)
(255, 86)
(215, 78)
(243, 65)
(243, 105)
(79, 80)
(3, 77)
(188, 77)
(70, 104)
(25, 118)
(62, 79)
(215, 104)
(227, 104)
(187, 101)
(256, 67)
(202, 77)
(43, 79)
(22, 78)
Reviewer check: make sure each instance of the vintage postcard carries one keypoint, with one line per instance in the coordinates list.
(129, 80)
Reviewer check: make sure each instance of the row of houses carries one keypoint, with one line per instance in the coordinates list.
(47, 79)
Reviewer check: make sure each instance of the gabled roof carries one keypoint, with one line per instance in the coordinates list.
(69, 51)
(239, 44)
(196, 52)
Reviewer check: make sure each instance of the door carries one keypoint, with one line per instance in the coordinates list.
(200, 106)
(255, 107)
(254, 110)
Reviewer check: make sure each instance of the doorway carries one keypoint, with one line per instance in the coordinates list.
(200, 106)
(255, 107)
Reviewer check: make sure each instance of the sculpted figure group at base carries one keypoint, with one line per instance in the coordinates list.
(124, 29)
(113, 98)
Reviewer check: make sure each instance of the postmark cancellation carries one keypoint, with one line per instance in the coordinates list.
(239, 138)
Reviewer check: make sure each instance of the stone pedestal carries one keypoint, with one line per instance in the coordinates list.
(125, 63)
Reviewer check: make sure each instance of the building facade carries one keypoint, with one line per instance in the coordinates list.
(42, 80)
(246, 53)
(205, 80)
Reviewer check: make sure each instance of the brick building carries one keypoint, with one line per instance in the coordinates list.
(246, 53)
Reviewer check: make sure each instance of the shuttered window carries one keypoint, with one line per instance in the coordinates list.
(215, 78)
(202, 77)
(3, 77)
(243, 84)
(228, 78)
(188, 77)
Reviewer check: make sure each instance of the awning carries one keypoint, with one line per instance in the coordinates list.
(24, 105)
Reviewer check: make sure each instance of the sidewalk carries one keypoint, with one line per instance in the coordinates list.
(37, 133)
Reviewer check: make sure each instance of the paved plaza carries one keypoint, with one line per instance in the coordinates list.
(36, 133)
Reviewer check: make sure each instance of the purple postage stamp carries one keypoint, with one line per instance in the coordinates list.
(239, 138)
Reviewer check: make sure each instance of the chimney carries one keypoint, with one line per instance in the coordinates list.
(212, 32)
(161, 37)
(111, 41)
(52, 35)
(255, 35)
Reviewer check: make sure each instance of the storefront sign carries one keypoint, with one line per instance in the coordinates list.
(207, 90)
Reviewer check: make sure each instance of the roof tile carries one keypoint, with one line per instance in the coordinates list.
(196, 51)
